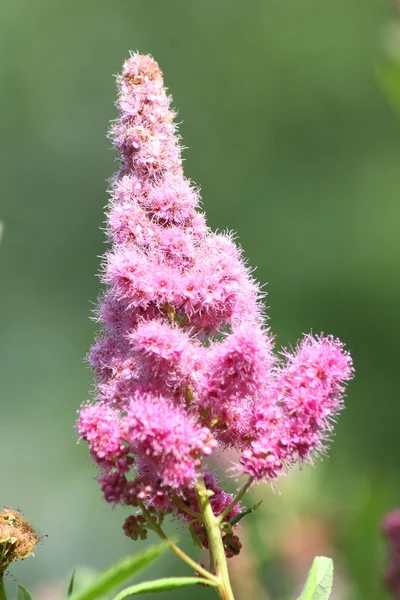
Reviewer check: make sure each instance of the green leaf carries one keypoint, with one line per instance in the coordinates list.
(160, 585)
(195, 538)
(242, 514)
(122, 570)
(319, 581)
(23, 594)
(81, 578)
(71, 584)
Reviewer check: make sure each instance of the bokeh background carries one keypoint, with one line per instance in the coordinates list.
(297, 149)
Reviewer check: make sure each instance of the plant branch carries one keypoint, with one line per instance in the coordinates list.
(192, 563)
(179, 502)
(217, 550)
(236, 499)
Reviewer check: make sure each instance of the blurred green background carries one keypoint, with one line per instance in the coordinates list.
(295, 148)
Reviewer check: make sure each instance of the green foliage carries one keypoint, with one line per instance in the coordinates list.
(71, 585)
(242, 514)
(319, 581)
(117, 574)
(195, 537)
(160, 585)
(23, 594)
(81, 578)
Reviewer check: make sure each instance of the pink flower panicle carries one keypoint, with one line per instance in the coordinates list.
(184, 363)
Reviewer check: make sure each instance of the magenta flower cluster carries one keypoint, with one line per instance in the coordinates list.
(391, 529)
(185, 364)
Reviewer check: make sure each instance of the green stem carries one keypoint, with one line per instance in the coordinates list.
(178, 502)
(159, 531)
(215, 543)
(3, 595)
(236, 499)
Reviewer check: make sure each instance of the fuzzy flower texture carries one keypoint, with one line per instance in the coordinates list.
(184, 364)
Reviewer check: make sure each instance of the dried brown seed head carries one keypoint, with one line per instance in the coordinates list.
(17, 538)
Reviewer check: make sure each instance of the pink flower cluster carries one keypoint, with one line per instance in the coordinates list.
(391, 529)
(307, 391)
(185, 365)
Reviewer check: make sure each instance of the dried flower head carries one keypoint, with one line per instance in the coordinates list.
(17, 538)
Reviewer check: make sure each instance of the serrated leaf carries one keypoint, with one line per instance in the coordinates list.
(23, 594)
(81, 578)
(160, 585)
(122, 570)
(242, 514)
(319, 581)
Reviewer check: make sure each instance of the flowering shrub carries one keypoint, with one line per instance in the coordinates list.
(184, 363)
